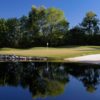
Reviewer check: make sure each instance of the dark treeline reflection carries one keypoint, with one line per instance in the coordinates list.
(48, 79)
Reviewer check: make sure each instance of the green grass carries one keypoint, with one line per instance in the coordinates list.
(61, 52)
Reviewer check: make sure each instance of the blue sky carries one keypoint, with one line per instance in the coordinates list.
(74, 10)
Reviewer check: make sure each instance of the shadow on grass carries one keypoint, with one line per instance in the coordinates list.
(70, 46)
(96, 47)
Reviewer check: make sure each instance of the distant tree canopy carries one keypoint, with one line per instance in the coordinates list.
(44, 25)
(91, 23)
(39, 27)
(86, 33)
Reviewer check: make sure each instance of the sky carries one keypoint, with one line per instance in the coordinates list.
(74, 10)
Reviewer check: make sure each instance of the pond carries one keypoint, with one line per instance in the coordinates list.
(49, 81)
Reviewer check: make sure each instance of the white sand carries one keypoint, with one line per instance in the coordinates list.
(88, 59)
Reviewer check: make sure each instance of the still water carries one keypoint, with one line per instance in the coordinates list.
(49, 81)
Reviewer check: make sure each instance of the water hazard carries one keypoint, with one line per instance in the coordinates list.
(49, 81)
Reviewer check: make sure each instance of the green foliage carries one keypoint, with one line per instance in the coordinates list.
(76, 36)
(44, 25)
(3, 32)
(47, 23)
(91, 23)
(13, 32)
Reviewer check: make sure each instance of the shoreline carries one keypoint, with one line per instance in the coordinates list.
(91, 59)
(21, 58)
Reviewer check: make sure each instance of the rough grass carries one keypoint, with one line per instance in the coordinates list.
(61, 52)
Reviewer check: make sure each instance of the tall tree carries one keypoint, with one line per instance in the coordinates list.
(47, 24)
(91, 23)
(57, 26)
(3, 32)
(13, 26)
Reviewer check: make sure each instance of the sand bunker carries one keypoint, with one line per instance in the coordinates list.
(95, 58)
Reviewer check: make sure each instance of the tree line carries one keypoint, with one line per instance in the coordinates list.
(48, 25)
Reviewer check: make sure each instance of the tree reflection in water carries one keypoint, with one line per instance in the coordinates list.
(89, 75)
(47, 79)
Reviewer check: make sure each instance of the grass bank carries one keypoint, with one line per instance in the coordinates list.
(54, 53)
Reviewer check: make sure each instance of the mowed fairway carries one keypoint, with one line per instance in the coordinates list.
(64, 52)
